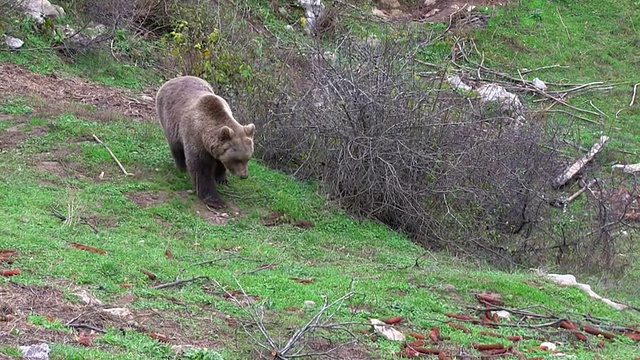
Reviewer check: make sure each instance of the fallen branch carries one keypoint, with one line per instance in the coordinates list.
(86, 326)
(629, 168)
(525, 72)
(548, 110)
(179, 282)
(563, 25)
(292, 348)
(112, 156)
(583, 189)
(562, 203)
(572, 170)
(208, 262)
(633, 97)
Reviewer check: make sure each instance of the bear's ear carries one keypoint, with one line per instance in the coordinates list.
(226, 133)
(213, 106)
(249, 130)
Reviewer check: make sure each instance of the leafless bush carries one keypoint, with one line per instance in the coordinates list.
(140, 16)
(389, 142)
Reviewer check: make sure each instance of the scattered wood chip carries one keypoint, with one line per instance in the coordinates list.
(417, 336)
(150, 275)
(580, 336)
(489, 333)
(85, 338)
(484, 347)
(434, 334)
(492, 299)
(462, 317)
(566, 324)
(159, 337)
(459, 327)
(632, 335)
(88, 248)
(393, 320)
(9, 272)
(168, 254)
(267, 266)
(7, 256)
(301, 281)
(593, 331)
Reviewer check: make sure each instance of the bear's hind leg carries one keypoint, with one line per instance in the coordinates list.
(220, 173)
(178, 156)
(201, 172)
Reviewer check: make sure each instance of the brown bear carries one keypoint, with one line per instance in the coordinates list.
(204, 138)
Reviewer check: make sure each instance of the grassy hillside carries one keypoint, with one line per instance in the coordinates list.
(74, 223)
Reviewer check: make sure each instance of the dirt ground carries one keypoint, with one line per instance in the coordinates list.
(53, 89)
(432, 10)
(18, 302)
(78, 323)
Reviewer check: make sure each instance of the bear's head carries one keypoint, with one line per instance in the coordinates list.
(236, 149)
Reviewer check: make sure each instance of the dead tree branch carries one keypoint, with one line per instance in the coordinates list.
(112, 155)
(572, 170)
(294, 347)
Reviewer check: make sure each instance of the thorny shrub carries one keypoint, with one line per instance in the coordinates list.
(390, 142)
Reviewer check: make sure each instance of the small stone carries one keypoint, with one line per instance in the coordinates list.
(122, 312)
(449, 288)
(539, 84)
(429, 2)
(549, 345)
(35, 352)
(25, 220)
(309, 303)
(87, 298)
(13, 42)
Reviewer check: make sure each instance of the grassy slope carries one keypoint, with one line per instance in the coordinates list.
(337, 251)
(597, 40)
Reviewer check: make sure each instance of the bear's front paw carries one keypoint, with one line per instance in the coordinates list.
(215, 203)
(222, 180)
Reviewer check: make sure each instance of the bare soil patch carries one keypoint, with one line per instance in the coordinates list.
(217, 217)
(446, 8)
(56, 162)
(53, 89)
(13, 136)
(213, 216)
(149, 198)
(351, 351)
(280, 218)
(19, 301)
(432, 10)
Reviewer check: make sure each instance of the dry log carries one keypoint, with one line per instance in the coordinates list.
(572, 170)
(629, 168)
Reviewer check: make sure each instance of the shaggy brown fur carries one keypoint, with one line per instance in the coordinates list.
(204, 138)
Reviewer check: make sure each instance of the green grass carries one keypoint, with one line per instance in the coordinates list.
(38, 56)
(390, 275)
(596, 40)
(337, 253)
